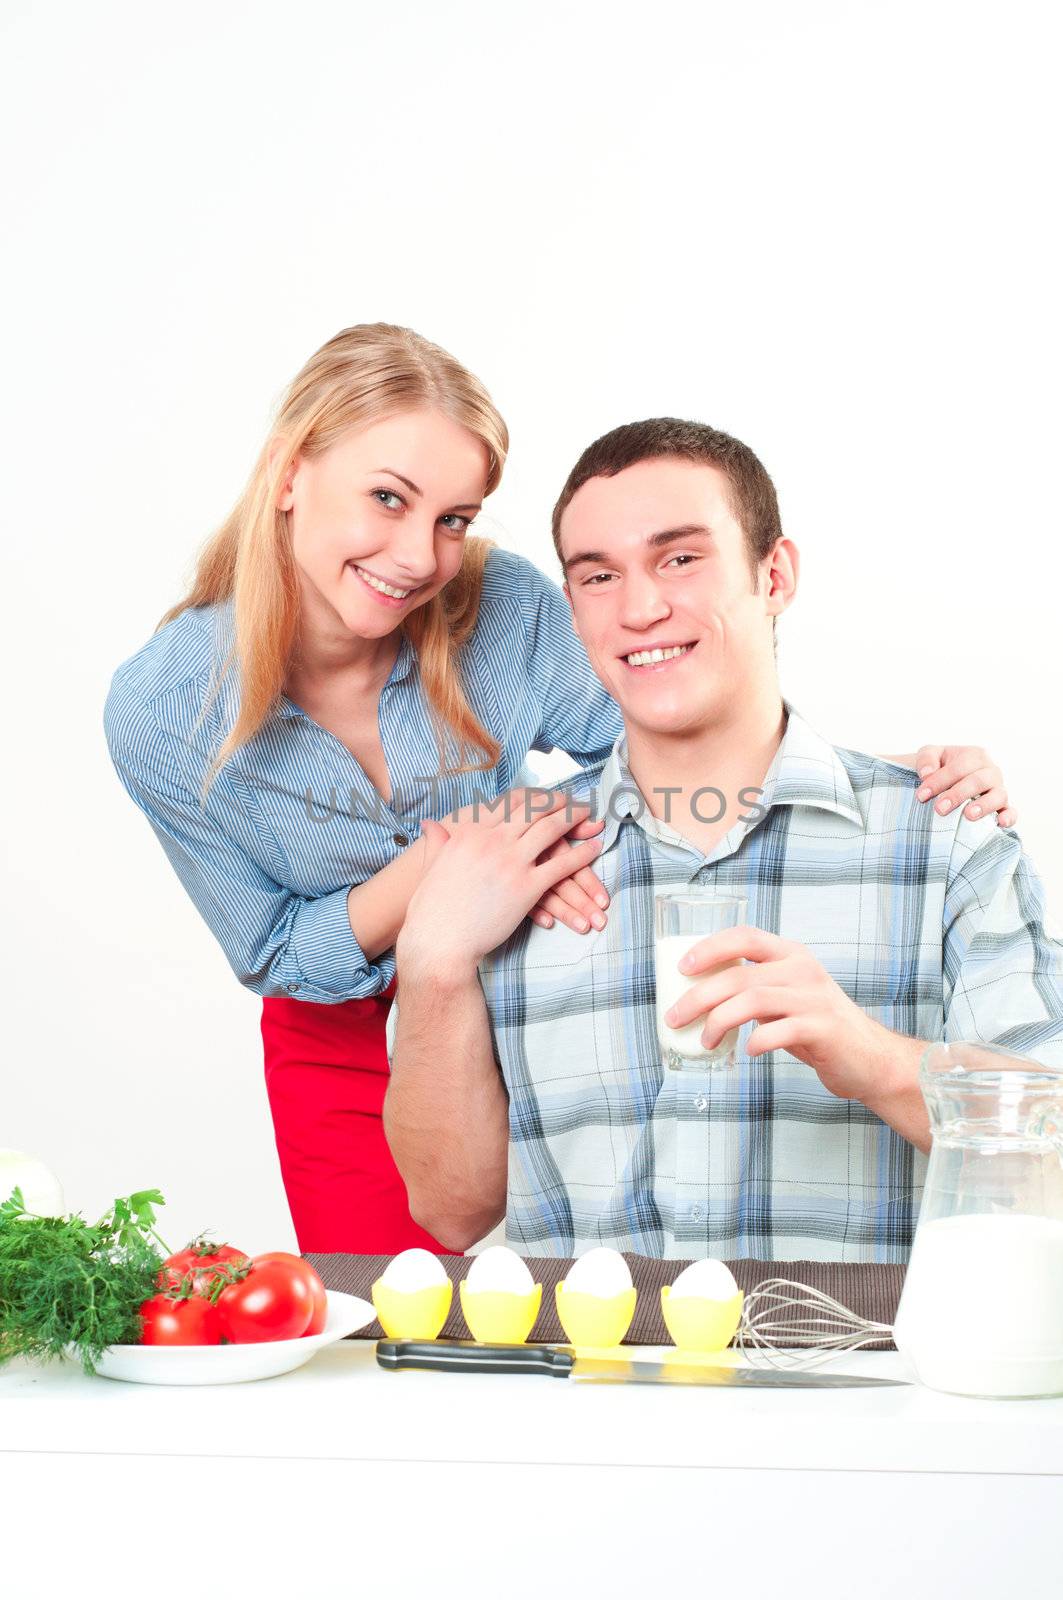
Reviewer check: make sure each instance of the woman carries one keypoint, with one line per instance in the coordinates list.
(346, 664)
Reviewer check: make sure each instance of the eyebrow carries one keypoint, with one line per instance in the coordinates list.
(466, 505)
(654, 541)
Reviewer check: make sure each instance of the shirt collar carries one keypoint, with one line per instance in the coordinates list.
(805, 771)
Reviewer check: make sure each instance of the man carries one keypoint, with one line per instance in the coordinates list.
(527, 1077)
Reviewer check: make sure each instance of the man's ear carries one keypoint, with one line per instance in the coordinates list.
(782, 570)
(277, 448)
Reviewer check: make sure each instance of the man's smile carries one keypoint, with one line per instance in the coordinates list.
(658, 657)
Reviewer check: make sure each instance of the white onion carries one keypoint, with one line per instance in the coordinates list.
(41, 1192)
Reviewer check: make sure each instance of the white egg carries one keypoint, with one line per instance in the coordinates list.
(704, 1280)
(499, 1271)
(412, 1271)
(601, 1272)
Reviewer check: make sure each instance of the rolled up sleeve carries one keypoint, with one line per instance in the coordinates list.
(276, 941)
(1003, 971)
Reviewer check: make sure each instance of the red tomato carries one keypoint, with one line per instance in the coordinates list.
(272, 1302)
(191, 1321)
(198, 1259)
(297, 1265)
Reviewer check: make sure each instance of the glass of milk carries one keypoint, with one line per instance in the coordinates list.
(682, 919)
(981, 1312)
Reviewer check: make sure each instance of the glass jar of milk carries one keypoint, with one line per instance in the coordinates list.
(682, 919)
(981, 1311)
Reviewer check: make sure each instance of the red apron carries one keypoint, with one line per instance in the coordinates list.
(326, 1076)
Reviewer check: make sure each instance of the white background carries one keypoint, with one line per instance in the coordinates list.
(828, 228)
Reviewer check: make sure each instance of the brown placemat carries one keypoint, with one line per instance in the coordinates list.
(868, 1289)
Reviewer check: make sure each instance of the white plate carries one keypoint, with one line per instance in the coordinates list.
(233, 1363)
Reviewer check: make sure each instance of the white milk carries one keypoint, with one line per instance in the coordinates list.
(671, 986)
(982, 1307)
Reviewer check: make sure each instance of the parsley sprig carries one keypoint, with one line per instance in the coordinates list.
(65, 1282)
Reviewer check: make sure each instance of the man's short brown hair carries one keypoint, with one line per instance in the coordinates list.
(752, 492)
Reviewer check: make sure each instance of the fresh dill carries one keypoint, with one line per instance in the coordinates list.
(70, 1285)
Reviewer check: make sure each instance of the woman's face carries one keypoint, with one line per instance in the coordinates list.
(378, 520)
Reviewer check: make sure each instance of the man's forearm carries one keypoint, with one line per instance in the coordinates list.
(897, 1098)
(446, 1111)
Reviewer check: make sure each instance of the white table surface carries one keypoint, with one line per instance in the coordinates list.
(342, 1405)
(416, 1482)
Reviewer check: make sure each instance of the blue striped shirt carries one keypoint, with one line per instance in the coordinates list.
(292, 820)
(933, 925)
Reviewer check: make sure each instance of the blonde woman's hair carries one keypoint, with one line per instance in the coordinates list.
(364, 374)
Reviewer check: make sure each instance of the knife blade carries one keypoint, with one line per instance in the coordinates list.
(561, 1361)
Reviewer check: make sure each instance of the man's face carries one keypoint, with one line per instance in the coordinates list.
(655, 560)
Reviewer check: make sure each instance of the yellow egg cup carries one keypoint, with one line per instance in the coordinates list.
(593, 1323)
(496, 1317)
(412, 1316)
(697, 1324)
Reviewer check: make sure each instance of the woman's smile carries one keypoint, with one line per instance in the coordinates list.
(387, 593)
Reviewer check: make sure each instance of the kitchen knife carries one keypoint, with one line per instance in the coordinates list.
(560, 1361)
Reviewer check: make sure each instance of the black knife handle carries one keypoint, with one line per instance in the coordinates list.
(465, 1355)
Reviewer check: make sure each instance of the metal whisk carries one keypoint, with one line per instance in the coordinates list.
(787, 1324)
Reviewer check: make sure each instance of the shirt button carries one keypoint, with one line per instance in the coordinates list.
(293, 988)
(400, 838)
(695, 1213)
(701, 1103)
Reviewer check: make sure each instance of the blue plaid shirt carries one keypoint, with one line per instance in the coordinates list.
(931, 924)
(292, 821)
